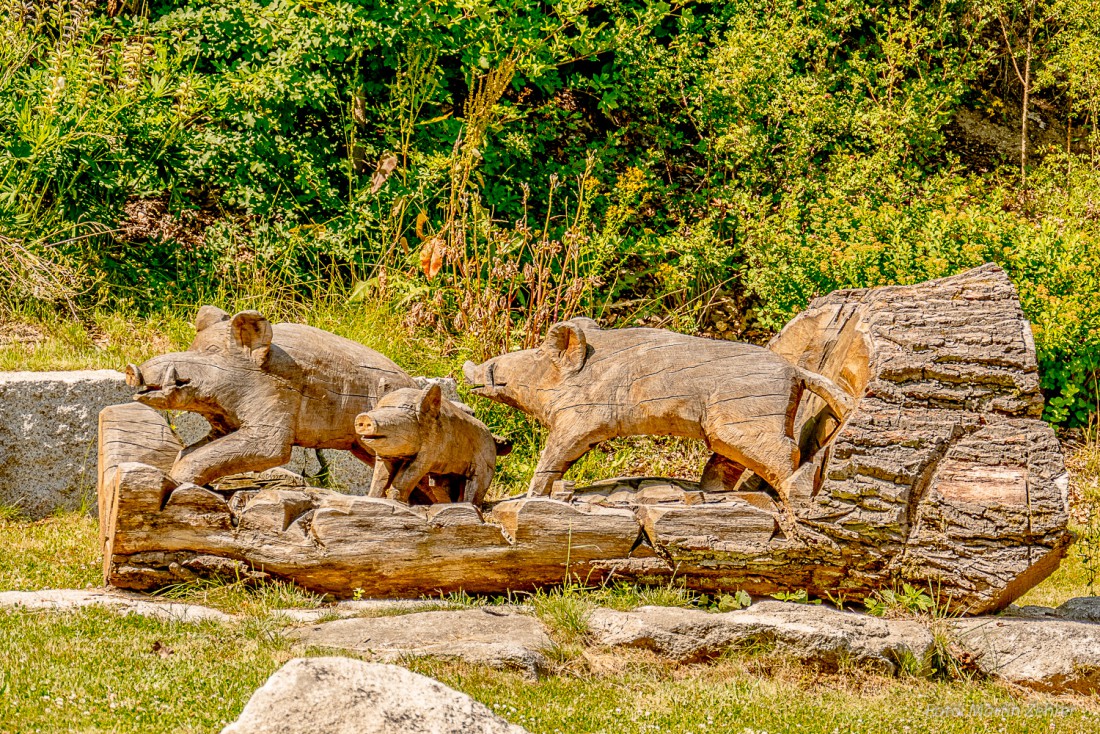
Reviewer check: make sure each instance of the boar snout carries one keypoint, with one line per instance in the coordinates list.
(482, 378)
(389, 432)
(133, 376)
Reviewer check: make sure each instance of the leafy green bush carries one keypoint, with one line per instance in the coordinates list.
(490, 166)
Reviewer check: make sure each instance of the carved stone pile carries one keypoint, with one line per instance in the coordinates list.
(939, 472)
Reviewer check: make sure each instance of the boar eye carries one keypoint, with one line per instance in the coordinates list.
(213, 349)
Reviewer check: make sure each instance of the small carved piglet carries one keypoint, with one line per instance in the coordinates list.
(417, 433)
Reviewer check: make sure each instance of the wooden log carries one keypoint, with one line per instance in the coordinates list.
(941, 475)
(335, 543)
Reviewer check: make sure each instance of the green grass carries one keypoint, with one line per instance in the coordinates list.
(235, 596)
(637, 693)
(54, 553)
(96, 671)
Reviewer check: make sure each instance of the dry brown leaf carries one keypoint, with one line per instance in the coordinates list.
(431, 257)
(382, 173)
(426, 257)
(437, 258)
(421, 220)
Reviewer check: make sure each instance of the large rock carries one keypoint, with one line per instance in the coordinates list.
(813, 634)
(48, 437)
(344, 696)
(1045, 654)
(499, 638)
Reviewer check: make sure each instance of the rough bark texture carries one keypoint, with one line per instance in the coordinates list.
(941, 473)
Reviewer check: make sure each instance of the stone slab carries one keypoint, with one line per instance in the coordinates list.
(816, 635)
(497, 637)
(1053, 655)
(61, 600)
(48, 434)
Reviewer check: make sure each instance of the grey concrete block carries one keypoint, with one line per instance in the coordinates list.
(48, 426)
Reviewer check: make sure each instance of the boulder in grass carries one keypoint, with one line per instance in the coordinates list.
(346, 696)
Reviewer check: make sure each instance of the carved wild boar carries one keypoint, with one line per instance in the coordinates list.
(419, 433)
(588, 385)
(264, 389)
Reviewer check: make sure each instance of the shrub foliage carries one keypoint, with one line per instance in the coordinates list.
(494, 165)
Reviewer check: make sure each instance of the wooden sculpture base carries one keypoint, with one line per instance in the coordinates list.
(943, 475)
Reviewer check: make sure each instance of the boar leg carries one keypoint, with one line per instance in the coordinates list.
(477, 484)
(406, 479)
(241, 451)
(561, 452)
(720, 474)
(384, 470)
(764, 449)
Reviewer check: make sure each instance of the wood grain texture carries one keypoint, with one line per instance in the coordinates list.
(588, 385)
(940, 473)
(264, 389)
(418, 434)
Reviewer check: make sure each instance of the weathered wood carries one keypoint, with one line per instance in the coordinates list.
(417, 433)
(588, 385)
(337, 543)
(940, 474)
(264, 389)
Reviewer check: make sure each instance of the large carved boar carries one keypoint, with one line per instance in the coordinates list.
(588, 385)
(419, 433)
(264, 389)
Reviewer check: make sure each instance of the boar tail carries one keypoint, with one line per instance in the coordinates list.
(838, 400)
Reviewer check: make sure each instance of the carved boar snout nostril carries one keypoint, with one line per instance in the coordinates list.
(364, 426)
(133, 376)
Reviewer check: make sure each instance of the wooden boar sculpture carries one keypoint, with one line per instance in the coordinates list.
(588, 385)
(264, 389)
(417, 434)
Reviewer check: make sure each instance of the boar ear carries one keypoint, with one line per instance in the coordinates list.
(208, 316)
(430, 401)
(250, 335)
(566, 345)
